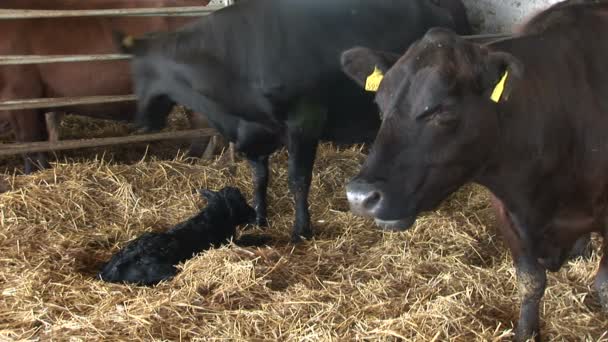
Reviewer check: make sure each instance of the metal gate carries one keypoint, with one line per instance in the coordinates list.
(16, 14)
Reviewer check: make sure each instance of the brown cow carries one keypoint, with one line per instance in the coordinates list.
(91, 35)
(525, 117)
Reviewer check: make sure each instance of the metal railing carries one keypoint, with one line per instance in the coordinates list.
(122, 12)
(21, 104)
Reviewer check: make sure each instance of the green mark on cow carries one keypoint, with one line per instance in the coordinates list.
(309, 117)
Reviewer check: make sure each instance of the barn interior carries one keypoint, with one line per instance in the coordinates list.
(450, 277)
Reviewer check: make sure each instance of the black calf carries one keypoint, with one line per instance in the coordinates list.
(152, 257)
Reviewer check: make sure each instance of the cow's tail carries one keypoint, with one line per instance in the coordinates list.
(124, 43)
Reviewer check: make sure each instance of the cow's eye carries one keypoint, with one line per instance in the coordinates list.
(429, 112)
(440, 115)
(446, 118)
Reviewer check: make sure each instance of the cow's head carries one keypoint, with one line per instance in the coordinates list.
(440, 123)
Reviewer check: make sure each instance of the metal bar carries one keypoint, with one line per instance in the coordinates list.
(31, 14)
(40, 59)
(22, 148)
(63, 102)
(488, 37)
(33, 59)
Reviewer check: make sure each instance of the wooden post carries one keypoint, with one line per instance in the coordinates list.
(52, 125)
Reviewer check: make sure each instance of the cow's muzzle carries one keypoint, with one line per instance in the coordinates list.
(366, 199)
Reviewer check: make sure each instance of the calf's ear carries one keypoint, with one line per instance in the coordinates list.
(360, 63)
(502, 73)
(207, 194)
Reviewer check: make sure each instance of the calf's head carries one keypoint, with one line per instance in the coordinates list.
(440, 123)
(231, 200)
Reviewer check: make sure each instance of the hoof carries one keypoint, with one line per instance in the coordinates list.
(261, 222)
(521, 336)
(298, 238)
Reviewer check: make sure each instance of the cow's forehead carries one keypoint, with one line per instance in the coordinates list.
(428, 87)
(413, 84)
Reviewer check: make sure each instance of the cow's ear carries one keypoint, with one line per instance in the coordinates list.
(502, 73)
(360, 63)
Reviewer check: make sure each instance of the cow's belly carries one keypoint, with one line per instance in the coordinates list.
(256, 140)
(249, 138)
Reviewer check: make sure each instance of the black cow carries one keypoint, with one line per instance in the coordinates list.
(525, 117)
(152, 257)
(267, 74)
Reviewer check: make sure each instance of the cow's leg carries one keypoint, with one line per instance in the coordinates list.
(601, 279)
(305, 125)
(22, 82)
(531, 280)
(198, 146)
(259, 165)
(301, 158)
(29, 126)
(531, 276)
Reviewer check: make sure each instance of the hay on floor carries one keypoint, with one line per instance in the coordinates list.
(448, 278)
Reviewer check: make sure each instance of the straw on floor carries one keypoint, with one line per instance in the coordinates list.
(448, 278)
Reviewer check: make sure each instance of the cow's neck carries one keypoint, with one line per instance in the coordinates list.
(544, 168)
(528, 152)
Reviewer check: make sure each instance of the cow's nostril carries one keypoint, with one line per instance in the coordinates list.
(364, 198)
(372, 200)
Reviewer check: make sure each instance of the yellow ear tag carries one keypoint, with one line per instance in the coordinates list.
(500, 88)
(373, 81)
(128, 41)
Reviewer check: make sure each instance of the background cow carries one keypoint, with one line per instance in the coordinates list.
(84, 35)
(267, 74)
(525, 117)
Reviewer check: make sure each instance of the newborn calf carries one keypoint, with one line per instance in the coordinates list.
(152, 257)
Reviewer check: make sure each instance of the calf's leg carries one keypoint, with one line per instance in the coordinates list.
(601, 279)
(259, 165)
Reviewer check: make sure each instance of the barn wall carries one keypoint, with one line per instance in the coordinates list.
(496, 16)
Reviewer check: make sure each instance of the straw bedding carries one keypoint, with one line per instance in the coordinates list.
(448, 278)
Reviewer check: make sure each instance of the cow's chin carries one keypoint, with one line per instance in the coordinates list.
(396, 225)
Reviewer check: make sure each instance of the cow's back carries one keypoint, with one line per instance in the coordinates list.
(292, 44)
(289, 49)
